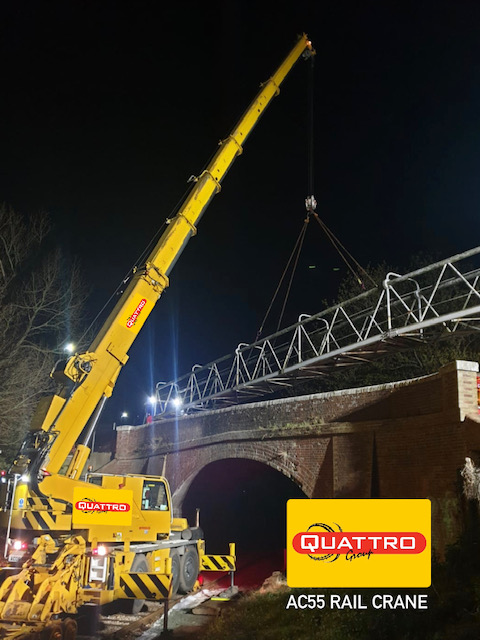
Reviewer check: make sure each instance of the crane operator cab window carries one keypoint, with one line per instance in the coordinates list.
(154, 496)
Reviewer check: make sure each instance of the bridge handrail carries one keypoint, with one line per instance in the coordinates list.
(402, 306)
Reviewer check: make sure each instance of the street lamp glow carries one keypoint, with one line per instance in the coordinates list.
(177, 402)
(152, 399)
(124, 415)
(69, 347)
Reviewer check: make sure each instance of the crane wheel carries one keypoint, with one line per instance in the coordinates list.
(69, 629)
(175, 570)
(52, 632)
(189, 565)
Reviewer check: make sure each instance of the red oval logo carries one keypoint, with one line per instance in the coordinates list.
(90, 506)
(321, 542)
(133, 318)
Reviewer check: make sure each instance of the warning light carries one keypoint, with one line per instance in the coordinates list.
(101, 550)
(18, 544)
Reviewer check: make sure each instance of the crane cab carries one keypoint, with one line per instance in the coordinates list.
(148, 509)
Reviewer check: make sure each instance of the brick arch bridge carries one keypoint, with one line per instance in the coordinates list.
(405, 439)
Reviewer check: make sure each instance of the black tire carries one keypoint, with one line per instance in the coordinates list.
(188, 569)
(70, 628)
(139, 565)
(53, 631)
(175, 570)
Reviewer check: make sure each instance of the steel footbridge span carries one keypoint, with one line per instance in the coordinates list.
(405, 311)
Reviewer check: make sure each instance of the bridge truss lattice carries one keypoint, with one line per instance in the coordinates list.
(440, 300)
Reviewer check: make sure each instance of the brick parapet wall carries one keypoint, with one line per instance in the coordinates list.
(448, 396)
(421, 396)
(412, 428)
(459, 387)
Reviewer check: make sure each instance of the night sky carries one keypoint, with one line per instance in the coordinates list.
(108, 107)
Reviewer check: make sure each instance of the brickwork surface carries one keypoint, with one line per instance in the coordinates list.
(402, 440)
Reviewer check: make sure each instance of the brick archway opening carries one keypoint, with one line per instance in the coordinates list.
(241, 501)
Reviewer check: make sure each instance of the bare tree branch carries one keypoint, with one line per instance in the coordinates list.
(41, 303)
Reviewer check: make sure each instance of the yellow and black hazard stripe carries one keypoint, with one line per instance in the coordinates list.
(39, 503)
(42, 520)
(145, 586)
(217, 563)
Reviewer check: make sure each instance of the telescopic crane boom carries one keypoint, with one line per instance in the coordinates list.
(114, 536)
(89, 378)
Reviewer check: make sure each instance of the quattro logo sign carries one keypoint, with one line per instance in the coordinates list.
(133, 318)
(102, 506)
(88, 506)
(354, 543)
(135, 313)
(358, 543)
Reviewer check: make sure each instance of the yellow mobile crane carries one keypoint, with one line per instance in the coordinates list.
(92, 542)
